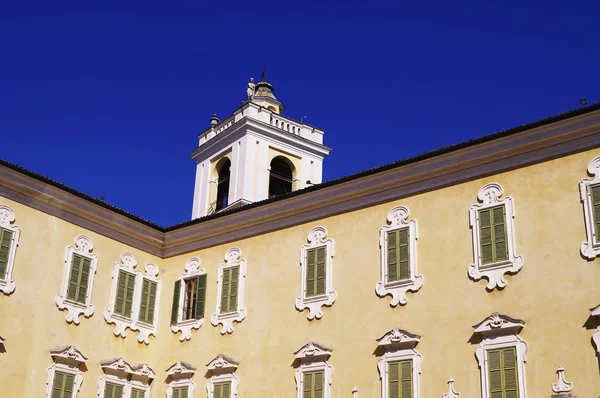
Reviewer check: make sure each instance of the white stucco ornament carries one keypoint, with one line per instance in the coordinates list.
(451, 391)
(562, 385)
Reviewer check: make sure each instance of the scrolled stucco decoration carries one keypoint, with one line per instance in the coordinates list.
(562, 386)
(232, 259)
(590, 248)
(451, 391)
(7, 219)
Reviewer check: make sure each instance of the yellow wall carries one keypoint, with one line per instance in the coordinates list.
(552, 294)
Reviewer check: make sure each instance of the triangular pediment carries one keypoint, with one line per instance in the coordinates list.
(312, 351)
(68, 354)
(181, 369)
(222, 364)
(398, 338)
(143, 371)
(499, 324)
(117, 365)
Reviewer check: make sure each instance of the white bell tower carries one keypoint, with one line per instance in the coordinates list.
(254, 154)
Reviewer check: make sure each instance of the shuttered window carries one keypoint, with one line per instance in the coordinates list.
(112, 390)
(595, 189)
(194, 299)
(502, 372)
(222, 390)
(136, 393)
(398, 263)
(229, 289)
(315, 271)
(400, 379)
(492, 234)
(5, 241)
(180, 392)
(79, 278)
(63, 385)
(313, 385)
(125, 288)
(148, 301)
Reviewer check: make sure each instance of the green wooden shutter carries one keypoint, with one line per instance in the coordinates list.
(485, 236)
(225, 283)
(319, 383)
(307, 386)
(394, 379)
(175, 306)
(79, 278)
(113, 390)
(500, 245)
(200, 297)
(5, 241)
(218, 391)
(181, 392)
(403, 253)
(595, 189)
(321, 269)
(406, 379)
(492, 234)
(392, 256)
(311, 263)
(125, 288)
(233, 289)
(495, 374)
(226, 391)
(58, 385)
(76, 261)
(148, 301)
(502, 371)
(135, 393)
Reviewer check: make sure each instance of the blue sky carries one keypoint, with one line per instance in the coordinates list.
(109, 99)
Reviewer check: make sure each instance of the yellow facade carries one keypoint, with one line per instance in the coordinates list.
(552, 293)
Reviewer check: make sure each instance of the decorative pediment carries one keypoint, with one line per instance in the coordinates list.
(595, 311)
(490, 193)
(398, 338)
(116, 366)
(128, 261)
(143, 371)
(499, 324)
(222, 364)
(180, 370)
(192, 267)
(68, 355)
(312, 352)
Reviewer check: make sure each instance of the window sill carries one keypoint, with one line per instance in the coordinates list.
(398, 289)
(315, 303)
(186, 327)
(75, 309)
(227, 318)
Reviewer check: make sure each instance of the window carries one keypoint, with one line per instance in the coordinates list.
(223, 185)
(78, 280)
(133, 301)
(491, 223)
(121, 380)
(64, 376)
(400, 365)
(280, 177)
(313, 373)
(179, 380)
(223, 382)
(589, 190)
(230, 291)
(316, 289)
(189, 299)
(398, 263)
(501, 357)
(9, 240)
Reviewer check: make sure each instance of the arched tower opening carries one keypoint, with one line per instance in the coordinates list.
(224, 170)
(281, 176)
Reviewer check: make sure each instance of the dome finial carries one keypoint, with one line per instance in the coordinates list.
(263, 76)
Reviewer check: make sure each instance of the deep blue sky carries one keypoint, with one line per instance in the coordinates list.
(110, 100)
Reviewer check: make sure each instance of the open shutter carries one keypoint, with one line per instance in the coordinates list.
(406, 379)
(233, 289)
(404, 253)
(76, 263)
(394, 379)
(311, 263)
(307, 385)
(500, 246)
(124, 297)
(225, 282)
(596, 209)
(485, 236)
(321, 275)
(5, 240)
(495, 373)
(509, 367)
(200, 297)
(175, 306)
(392, 256)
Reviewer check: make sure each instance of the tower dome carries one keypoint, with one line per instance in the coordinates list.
(263, 95)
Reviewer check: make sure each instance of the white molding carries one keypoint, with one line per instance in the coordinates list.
(192, 270)
(500, 331)
(232, 259)
(222, 370)
(595, 312)
(313, 357)
(316, 238)
(83, 247)
(180, 375)
(590, 248)
(128, 263)
(489, 196)
(397, 219)
(399, 345)
(562, 386)
(118, 371)
(7, 218)
(66, 360)
(451, 391)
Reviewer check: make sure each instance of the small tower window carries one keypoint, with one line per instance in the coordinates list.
(280, 177)
(223, 185)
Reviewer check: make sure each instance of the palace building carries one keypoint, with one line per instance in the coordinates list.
(468, 271)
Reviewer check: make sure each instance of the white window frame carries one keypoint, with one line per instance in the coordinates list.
(192, 270)
(489, 196)
(500, 331)
(128, 263)
(398, 219)
(590, 249)
(83, 247)
(232, 259)
(66, 360)
(7, 218)
(316, 238)
(222, 370)
(118, 371)
(180, 375)
(595, 312)
(399, 345)
(312, 357)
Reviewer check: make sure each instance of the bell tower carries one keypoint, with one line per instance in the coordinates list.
(254, 154)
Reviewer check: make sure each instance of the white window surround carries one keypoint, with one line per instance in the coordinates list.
(7, 218)
(192, 270)
(83, 247)
(232, 259)
(122, 323)
(489, 196)
(180, 375)
(500, 331)
(451, 391)
(591, 248)
(596, 337)
(399, 345)
(397, 219)
(66, 360)
(316, 238)
(118, 371)
(313, 357)
(222, 370)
